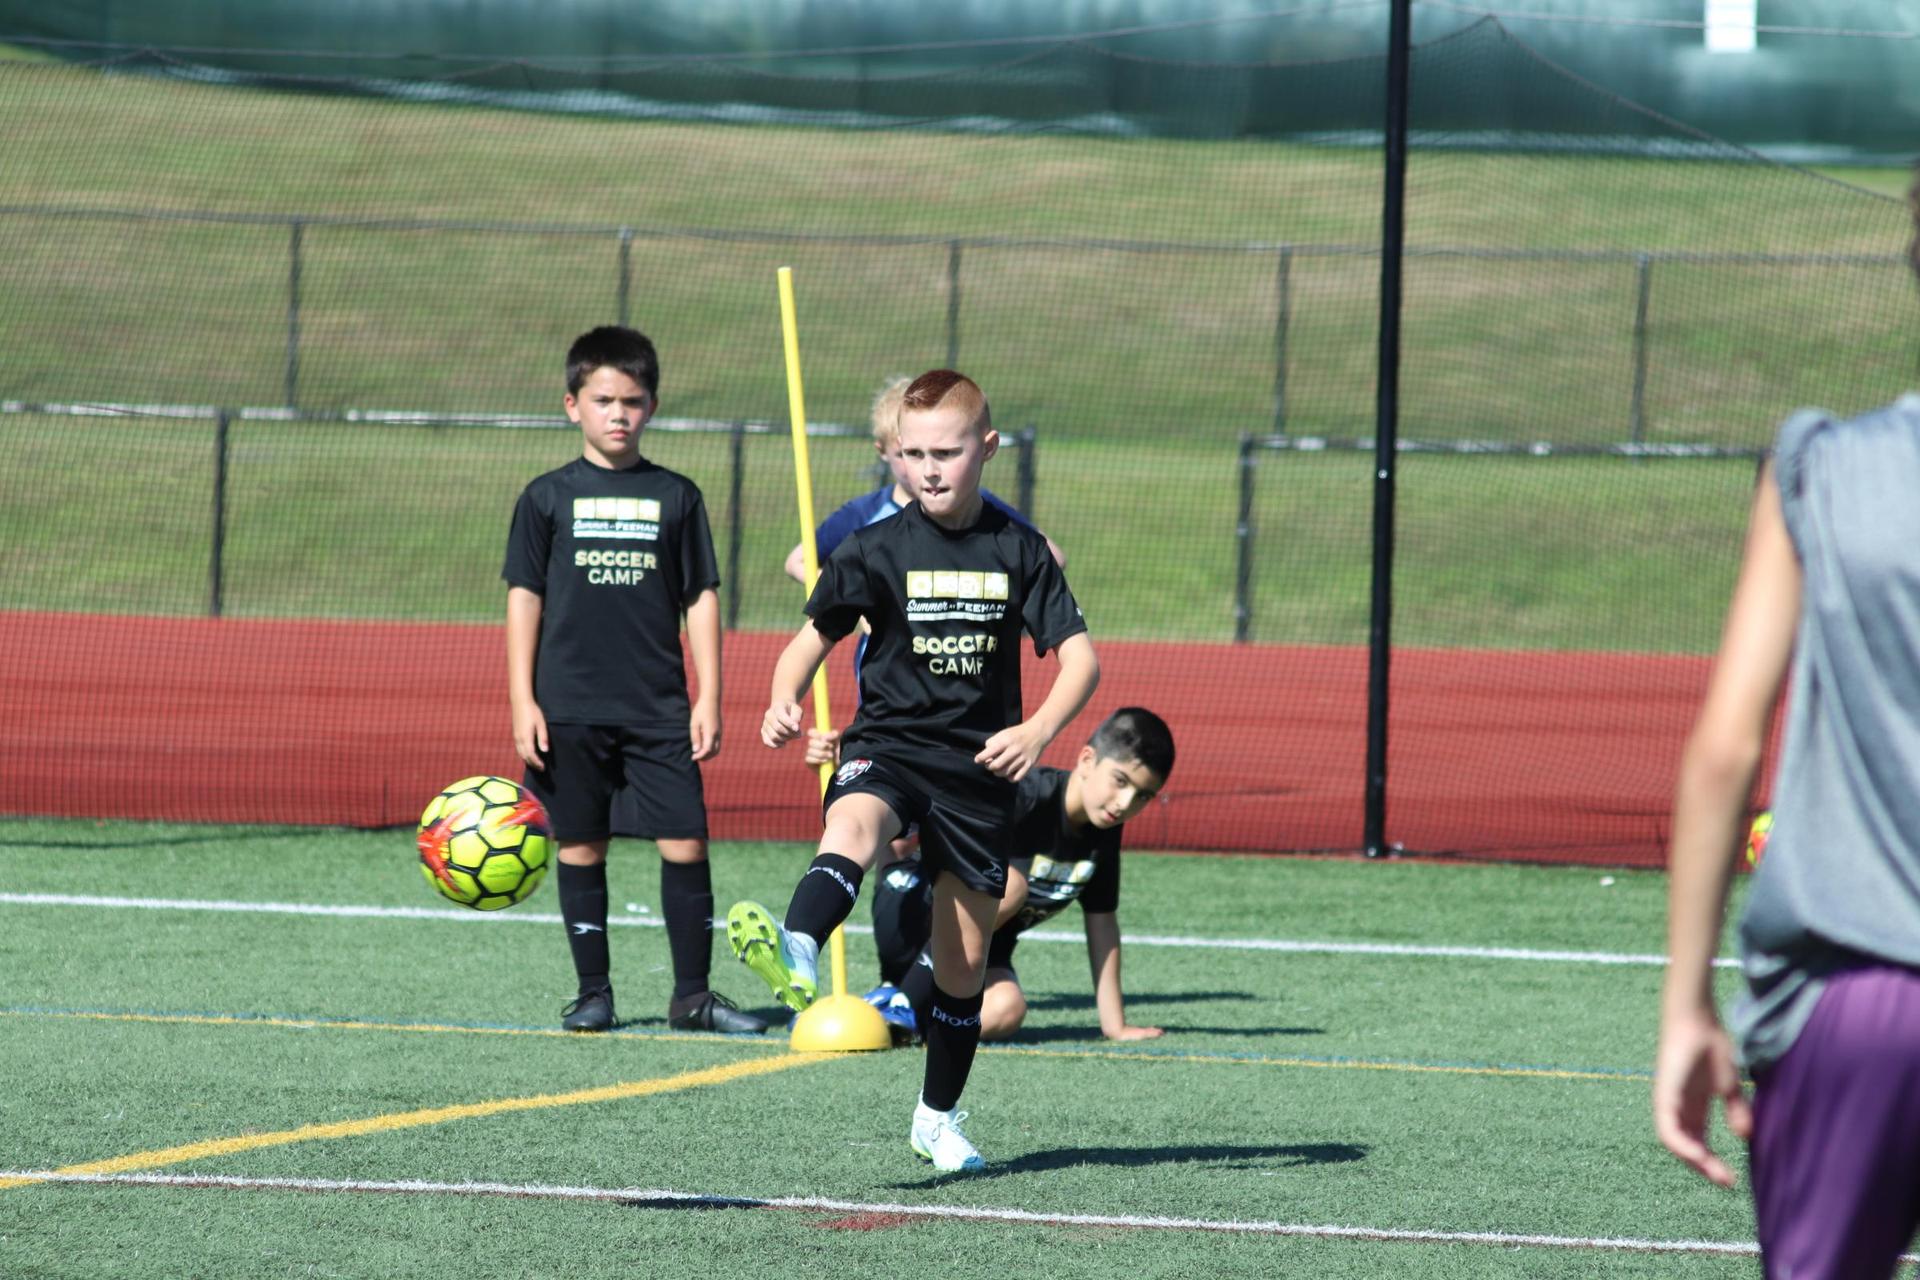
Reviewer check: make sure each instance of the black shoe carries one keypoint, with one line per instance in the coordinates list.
(588, 1011)
(710, 1011)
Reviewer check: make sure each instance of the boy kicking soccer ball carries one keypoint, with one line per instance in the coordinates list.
(947, 586)
(605, 555)
(1067, 827)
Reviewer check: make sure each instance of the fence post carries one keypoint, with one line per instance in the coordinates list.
(216, 553)
(622, 308)
(1243, 548)
(733, 525)
(1027, 436)
(953, 304)
(1282, 322)
(295, 229)
(1643, 287)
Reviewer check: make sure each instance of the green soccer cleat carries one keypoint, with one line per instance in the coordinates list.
(760, 943)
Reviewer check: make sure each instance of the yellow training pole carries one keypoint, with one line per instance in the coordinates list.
(842, 1021)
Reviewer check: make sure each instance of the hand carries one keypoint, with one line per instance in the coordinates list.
(530, 734)
(1694, 1065)
(703, 727)
(1131, 1032)
(781, 724)
(1014, 750)
(823, 747)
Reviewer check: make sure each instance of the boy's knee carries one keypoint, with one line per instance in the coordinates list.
(684, 852)
(584, 855)
(1003, 1008)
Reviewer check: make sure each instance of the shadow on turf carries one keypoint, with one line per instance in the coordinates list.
(1257, 1159)
(1079, 1003)
(1064, 1001)
(162, 841)
(1091, 1034)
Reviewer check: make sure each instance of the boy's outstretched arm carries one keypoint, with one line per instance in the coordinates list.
(1014, 750)
(524, 609)
(792, 673)
(796, 565)
(1103, 953)
(1695, 1063)
(703, 638)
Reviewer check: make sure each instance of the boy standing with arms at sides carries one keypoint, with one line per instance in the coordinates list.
(605, 555)
(1829, 1024)
(947, 587)
(1067, 848)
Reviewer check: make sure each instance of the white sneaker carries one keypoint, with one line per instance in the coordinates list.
(936, 1136)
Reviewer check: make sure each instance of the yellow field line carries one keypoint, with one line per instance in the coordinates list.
(429, 1115)
(1330, 1064)
(1212, 1059)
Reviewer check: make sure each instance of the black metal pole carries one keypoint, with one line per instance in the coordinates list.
(217, 542)
(953, 304)
(623, 301)
(738, 452)
(291, 389)
(1028, 435)
(1243, 548)
(1282, 322)
(1642, 291)
(1387, 420)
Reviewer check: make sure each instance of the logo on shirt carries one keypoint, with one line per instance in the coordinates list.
(851, 770)
(625, 518)
(955, 584)
(935, 595)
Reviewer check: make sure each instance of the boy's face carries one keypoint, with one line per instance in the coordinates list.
(896, 461)
(941, 453)
(1114, 790)
(611, 408)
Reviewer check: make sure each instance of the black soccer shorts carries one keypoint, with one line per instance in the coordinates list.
(603, 780)
(965, 813)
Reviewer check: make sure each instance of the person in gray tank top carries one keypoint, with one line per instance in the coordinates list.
(1829, 1023)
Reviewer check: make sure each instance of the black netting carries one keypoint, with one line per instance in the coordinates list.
(281, 345)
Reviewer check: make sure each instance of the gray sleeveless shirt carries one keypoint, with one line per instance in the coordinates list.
(1840, 883)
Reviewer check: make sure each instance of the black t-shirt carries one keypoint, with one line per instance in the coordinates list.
(946, 608)
(617, 556)
(1063, 863)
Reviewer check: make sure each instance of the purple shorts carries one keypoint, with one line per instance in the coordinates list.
(1836, 1136)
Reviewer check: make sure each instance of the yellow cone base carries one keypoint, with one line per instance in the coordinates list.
(840, 1024)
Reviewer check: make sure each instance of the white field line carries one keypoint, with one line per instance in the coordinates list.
(540, 1191)
(1289, 945)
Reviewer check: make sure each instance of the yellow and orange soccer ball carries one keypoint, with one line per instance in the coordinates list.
(484, 843)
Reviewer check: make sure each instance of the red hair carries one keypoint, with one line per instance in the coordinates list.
(940, 388)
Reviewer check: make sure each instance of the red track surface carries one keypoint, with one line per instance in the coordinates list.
(1555, 756)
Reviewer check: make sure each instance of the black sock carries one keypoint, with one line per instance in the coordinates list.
(686, 902)
(917, 985)
(583, 907)
(824, 897)
(953, 1033)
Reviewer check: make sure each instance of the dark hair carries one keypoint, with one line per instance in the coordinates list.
(1135, 733)
(613, 347)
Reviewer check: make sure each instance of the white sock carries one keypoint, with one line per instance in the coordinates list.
(804, 953)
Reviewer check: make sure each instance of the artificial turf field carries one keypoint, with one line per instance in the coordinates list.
(1369, 1069)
